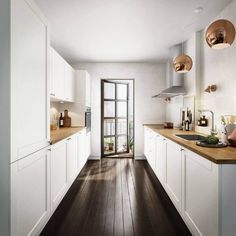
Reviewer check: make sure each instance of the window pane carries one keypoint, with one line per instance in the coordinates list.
(122, 91)
(122, 144)
(121, 126)
(109, 91)
(109, 145)
(109, 127)
(121, 109)
(109, 109)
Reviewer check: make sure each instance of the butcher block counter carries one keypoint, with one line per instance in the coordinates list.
(225, 155)
(62, 133)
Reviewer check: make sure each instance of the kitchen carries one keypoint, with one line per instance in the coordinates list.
(55, 178)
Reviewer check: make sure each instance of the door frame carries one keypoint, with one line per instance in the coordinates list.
(102, 112)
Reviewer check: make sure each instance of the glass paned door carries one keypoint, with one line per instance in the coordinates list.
(114, 118)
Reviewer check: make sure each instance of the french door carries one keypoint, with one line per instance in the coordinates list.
(114, 118)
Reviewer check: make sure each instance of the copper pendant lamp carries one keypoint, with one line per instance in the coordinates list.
(220, 34)
(182, 63)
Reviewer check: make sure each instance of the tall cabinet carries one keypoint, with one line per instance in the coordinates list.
(25, 138)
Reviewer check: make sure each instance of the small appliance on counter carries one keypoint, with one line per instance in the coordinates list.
(168, 125)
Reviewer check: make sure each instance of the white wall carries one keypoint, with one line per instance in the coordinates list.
(219, 67)
(149, 80)
(210, 67)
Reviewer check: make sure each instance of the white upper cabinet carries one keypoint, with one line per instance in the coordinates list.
(57, 73)
(62, 78)
(29, 70)
(69, 83)
(83, 88)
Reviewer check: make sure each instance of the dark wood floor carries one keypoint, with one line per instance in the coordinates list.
(116, 197)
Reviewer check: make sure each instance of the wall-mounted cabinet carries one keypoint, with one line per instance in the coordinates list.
(62, 78)
(83, 88)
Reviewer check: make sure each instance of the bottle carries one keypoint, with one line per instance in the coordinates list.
(61, 122)
(204, 121)
(187, 125)
(66, 119)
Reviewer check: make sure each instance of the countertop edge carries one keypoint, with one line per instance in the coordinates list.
(67, 133)
(195, 150)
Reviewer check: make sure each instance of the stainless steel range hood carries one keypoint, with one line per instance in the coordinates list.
(176, 80)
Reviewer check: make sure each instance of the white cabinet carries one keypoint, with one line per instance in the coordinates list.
(29, 94)
(83, 87)
(200, 194)
(57, 72)
(160, 167)
(58, 172)
(174, 173)
(69, 83)
(30, 206)
(88, 145)
(72, 160)
(81, 142)
(62, 78)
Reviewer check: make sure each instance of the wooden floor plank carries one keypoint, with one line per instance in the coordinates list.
(116, 197)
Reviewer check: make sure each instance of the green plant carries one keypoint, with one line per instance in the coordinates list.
(131, 143)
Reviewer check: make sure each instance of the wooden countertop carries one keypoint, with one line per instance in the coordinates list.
(225, 155)
(62, 133)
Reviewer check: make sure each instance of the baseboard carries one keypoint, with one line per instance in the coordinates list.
(94, 158)
(140, 158)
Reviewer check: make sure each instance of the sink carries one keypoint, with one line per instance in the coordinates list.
(191, 137)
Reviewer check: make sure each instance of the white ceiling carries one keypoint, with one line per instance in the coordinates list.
(124, 30)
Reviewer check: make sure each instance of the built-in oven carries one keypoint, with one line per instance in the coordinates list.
(88, 119)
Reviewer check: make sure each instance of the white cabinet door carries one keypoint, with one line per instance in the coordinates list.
(58, 76)
(72, 158)
(81, 140)
(83, 87)
(58, 173)
(152, 150)
(69, 83)
(161, 159)
(174, 173)
(146, 147)
(200, 194)
(30, 198)
(29, 95)
(88, 145)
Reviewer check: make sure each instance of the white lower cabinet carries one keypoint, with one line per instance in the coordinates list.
(160, 167)
(200, 194)
(58, 172)
(81, 142)
(203, 192)
(174, 173)
(72, 153)
(30, 189)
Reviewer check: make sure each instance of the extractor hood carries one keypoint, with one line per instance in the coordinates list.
(176, 80)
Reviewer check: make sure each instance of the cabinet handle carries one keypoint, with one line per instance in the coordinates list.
(52, 94)
(164, 139)
(68, 139)
(181, 149)
(49, 149)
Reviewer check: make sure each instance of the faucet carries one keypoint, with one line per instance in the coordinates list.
(213, 130)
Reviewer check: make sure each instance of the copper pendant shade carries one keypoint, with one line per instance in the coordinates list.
(220, 34)
(182, 64)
